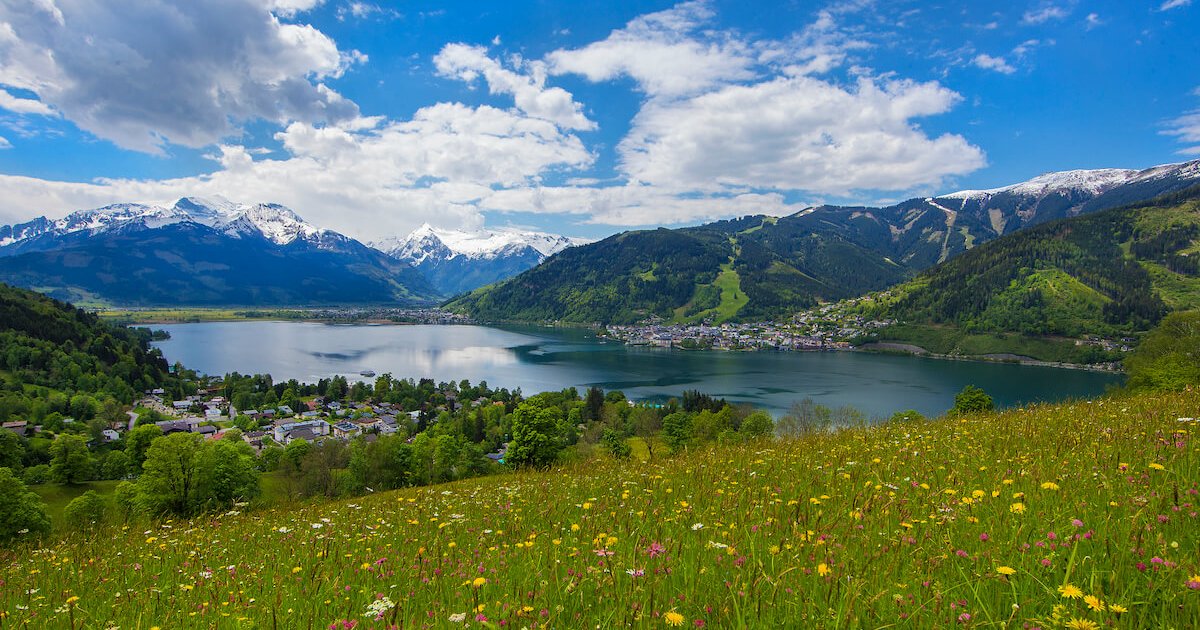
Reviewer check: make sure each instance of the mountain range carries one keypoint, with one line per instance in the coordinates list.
(454, 261)
(762, 267)
(210, 251)
(202, 252)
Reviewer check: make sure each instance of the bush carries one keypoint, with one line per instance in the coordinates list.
(84, 510)
(972, 400)
(22, 512)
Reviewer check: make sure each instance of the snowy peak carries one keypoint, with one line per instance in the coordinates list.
(428, 242)
(1088, 182)
(271, 221)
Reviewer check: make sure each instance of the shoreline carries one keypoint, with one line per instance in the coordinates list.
(917, 351)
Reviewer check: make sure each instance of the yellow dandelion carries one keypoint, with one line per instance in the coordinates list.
(72, 599)
(479, 581)
(1157, 466)
(673, 618)
(1005, 570)
(1017, 508)
(1117, 608)
(823, 569)
(296, 569)
(1070, 591)
(1049, 485)
(1094, 603)
(1082, 624)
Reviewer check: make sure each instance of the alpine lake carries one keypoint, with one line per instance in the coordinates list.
(538, 359)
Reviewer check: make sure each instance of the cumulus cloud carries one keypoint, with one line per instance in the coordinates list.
(1173, 4)
(529, 91)
(988, 62)
(662, 52)
(367, 178)
(798, 133)
(149, 73)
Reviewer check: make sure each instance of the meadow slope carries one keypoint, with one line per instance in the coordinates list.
(1072, 516)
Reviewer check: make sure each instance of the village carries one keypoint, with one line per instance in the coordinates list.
(824, 328)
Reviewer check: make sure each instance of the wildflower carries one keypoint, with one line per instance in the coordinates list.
(1070, 591)
(458, 617)
(1077, 523)
(1005, 570)
(823, 569)
(697, 526)
(479, 581)
(1194, 582)
(1017, 508)
(635, 572)
(72, 599)
(1117, 608)
(379, 607)
(1094, 603)
(1082, 624)
(1049, 485)
(673, 618)
(655, 549)
(1157, 466)
(296, 569)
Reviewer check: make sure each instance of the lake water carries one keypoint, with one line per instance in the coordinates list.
(544, 359)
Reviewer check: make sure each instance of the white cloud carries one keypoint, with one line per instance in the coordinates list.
(1093, 20)
(663, 53)
(23, 105)
(529, 91)
(365, 10)
(366, 178)
(4, 143)
(797, 133)
(1187, 129)
(1173, 4)
(149, 73)
(988, 62)
(1045, 14)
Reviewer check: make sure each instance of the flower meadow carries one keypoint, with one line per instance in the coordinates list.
(1079, 516)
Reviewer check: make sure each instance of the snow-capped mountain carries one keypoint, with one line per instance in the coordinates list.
(455, 261)
(1089, 182)
(274, 222)
(201, 251)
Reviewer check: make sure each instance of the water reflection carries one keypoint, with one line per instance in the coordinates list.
(542, 359)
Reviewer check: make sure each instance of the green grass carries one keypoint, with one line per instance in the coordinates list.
(732, 299)
(976, 521)
(1178, 291)
(57, 496)
(172, 315)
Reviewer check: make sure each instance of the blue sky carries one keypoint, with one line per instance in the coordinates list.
(579, 118)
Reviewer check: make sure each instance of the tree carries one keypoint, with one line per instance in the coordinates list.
(677, 430)
(804, 418)
(84, 510)
(757, 425)
(115, 466)
(615, 443)
(137, 442)
(646, 423)
(70, 460)
(535, 441)
(227, 474)
(12, 450)
(22, 512)
(170, 480)
(1169, 357)
(972, 400)
(125, 498)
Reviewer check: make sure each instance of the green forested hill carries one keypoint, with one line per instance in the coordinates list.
(754, 267)
(50, 352)
(1117, 271)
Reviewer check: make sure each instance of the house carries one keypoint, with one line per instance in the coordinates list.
(254, 438)
(285, 411)
(182, 405)
(285, 431)
(303, 433)
(345, 430)
(20, 427)
(212, 413)
(110, 435)
(206, 430)
(388, 426)
(178, 426)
